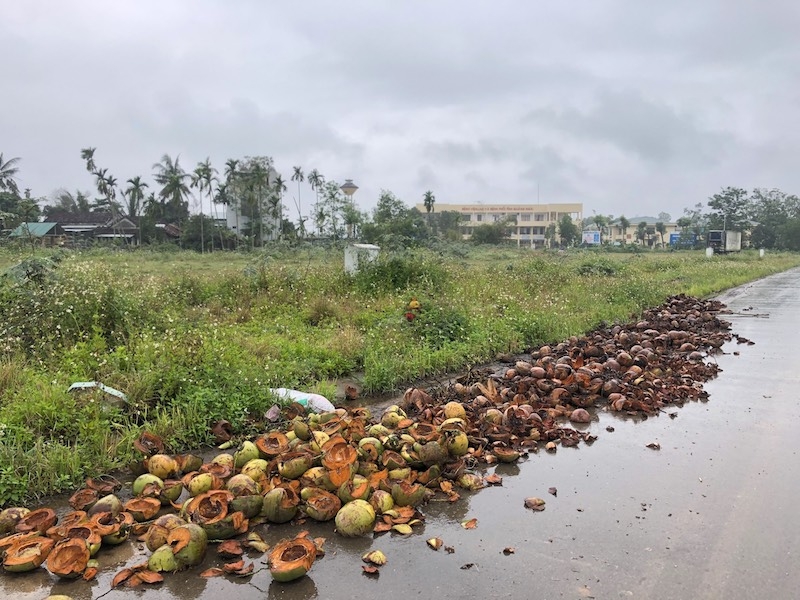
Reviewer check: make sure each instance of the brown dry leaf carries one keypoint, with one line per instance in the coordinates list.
(493, 479)
(446, 487)
(212, 572)
(134, 581)
(471, 524)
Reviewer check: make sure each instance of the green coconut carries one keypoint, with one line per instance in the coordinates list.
(399, 474)
(456, 442)
(280, 505)
(173, 488)
(301, 429)
(124, 521)
(150, 481)
(321, 505)
(317, 477)
(163, 560)
(432, 453)
(162, 466)
(189, 543)
(200, 484)
(227, 460)
(355, 518)
(255, 469)
(27, 555)
(408, 494)
(249, 506)
(291, 559)
(392, 460)
(158, 532)
(243, 485)
(370, 448)
(470, 481)
(109, 503)
(189, 462)
(246, 452)
(454, 410)
(493, 416)
(10, 517)
(381, 501)
(357, 488)
(231, 525)
(378, 431)
(294, 464)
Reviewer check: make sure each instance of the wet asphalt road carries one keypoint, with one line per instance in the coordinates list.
(712, 514)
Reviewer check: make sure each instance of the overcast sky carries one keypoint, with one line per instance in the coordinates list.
(631, 107)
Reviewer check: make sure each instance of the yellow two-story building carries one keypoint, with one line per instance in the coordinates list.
(527, 222)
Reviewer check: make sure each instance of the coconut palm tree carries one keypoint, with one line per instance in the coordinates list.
(174, 189)
(641, 231)
(8, 174)
(624, 223)
(87, 154)
(428, 199)
(202, 178)
(277, 210)
(316, 181)
(661, 228)
(134, 194)
(299, 177)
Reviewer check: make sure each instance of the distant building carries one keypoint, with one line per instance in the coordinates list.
(527, 222)
(44, 234)
(97, 225)
(615, 235)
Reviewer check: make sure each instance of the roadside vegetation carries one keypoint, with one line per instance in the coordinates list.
(192, 339)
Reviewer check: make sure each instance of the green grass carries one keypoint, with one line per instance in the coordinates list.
(196, 338)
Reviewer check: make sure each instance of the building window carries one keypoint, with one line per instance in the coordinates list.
(538, 231)
(479, 218)
(540, 217)
(524, 230)
(466, 217)
(525, 217)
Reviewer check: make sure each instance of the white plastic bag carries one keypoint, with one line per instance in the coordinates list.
(315, 402)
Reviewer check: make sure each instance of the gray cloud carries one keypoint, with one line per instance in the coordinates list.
(627, 107)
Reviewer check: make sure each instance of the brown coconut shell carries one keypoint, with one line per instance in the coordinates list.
(68, 558)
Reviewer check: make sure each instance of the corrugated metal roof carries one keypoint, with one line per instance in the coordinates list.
(33, 229)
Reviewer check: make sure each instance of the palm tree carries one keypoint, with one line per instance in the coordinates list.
(202, 178)
(661, 228)
(299, 177)
(428, 199)
(601, 221)
(316, 181)
(624, 223)
(641, 231)
(8, 174)
(134, 193)
(172, 179)
(87, 154)
(277, 211)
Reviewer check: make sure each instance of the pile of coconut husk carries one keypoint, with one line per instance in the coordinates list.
(367, 475)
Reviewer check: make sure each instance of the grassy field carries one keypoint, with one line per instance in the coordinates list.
(191, 339)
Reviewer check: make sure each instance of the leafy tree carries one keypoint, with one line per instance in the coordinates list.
(568, 230)
(490, 233)
(550, 234)
(316, 181)
(729, 209)
(665, 217)
(771, 210)
(65, 201)
(448, 224)
(601, 221)
(8, 174)
(394, 225)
